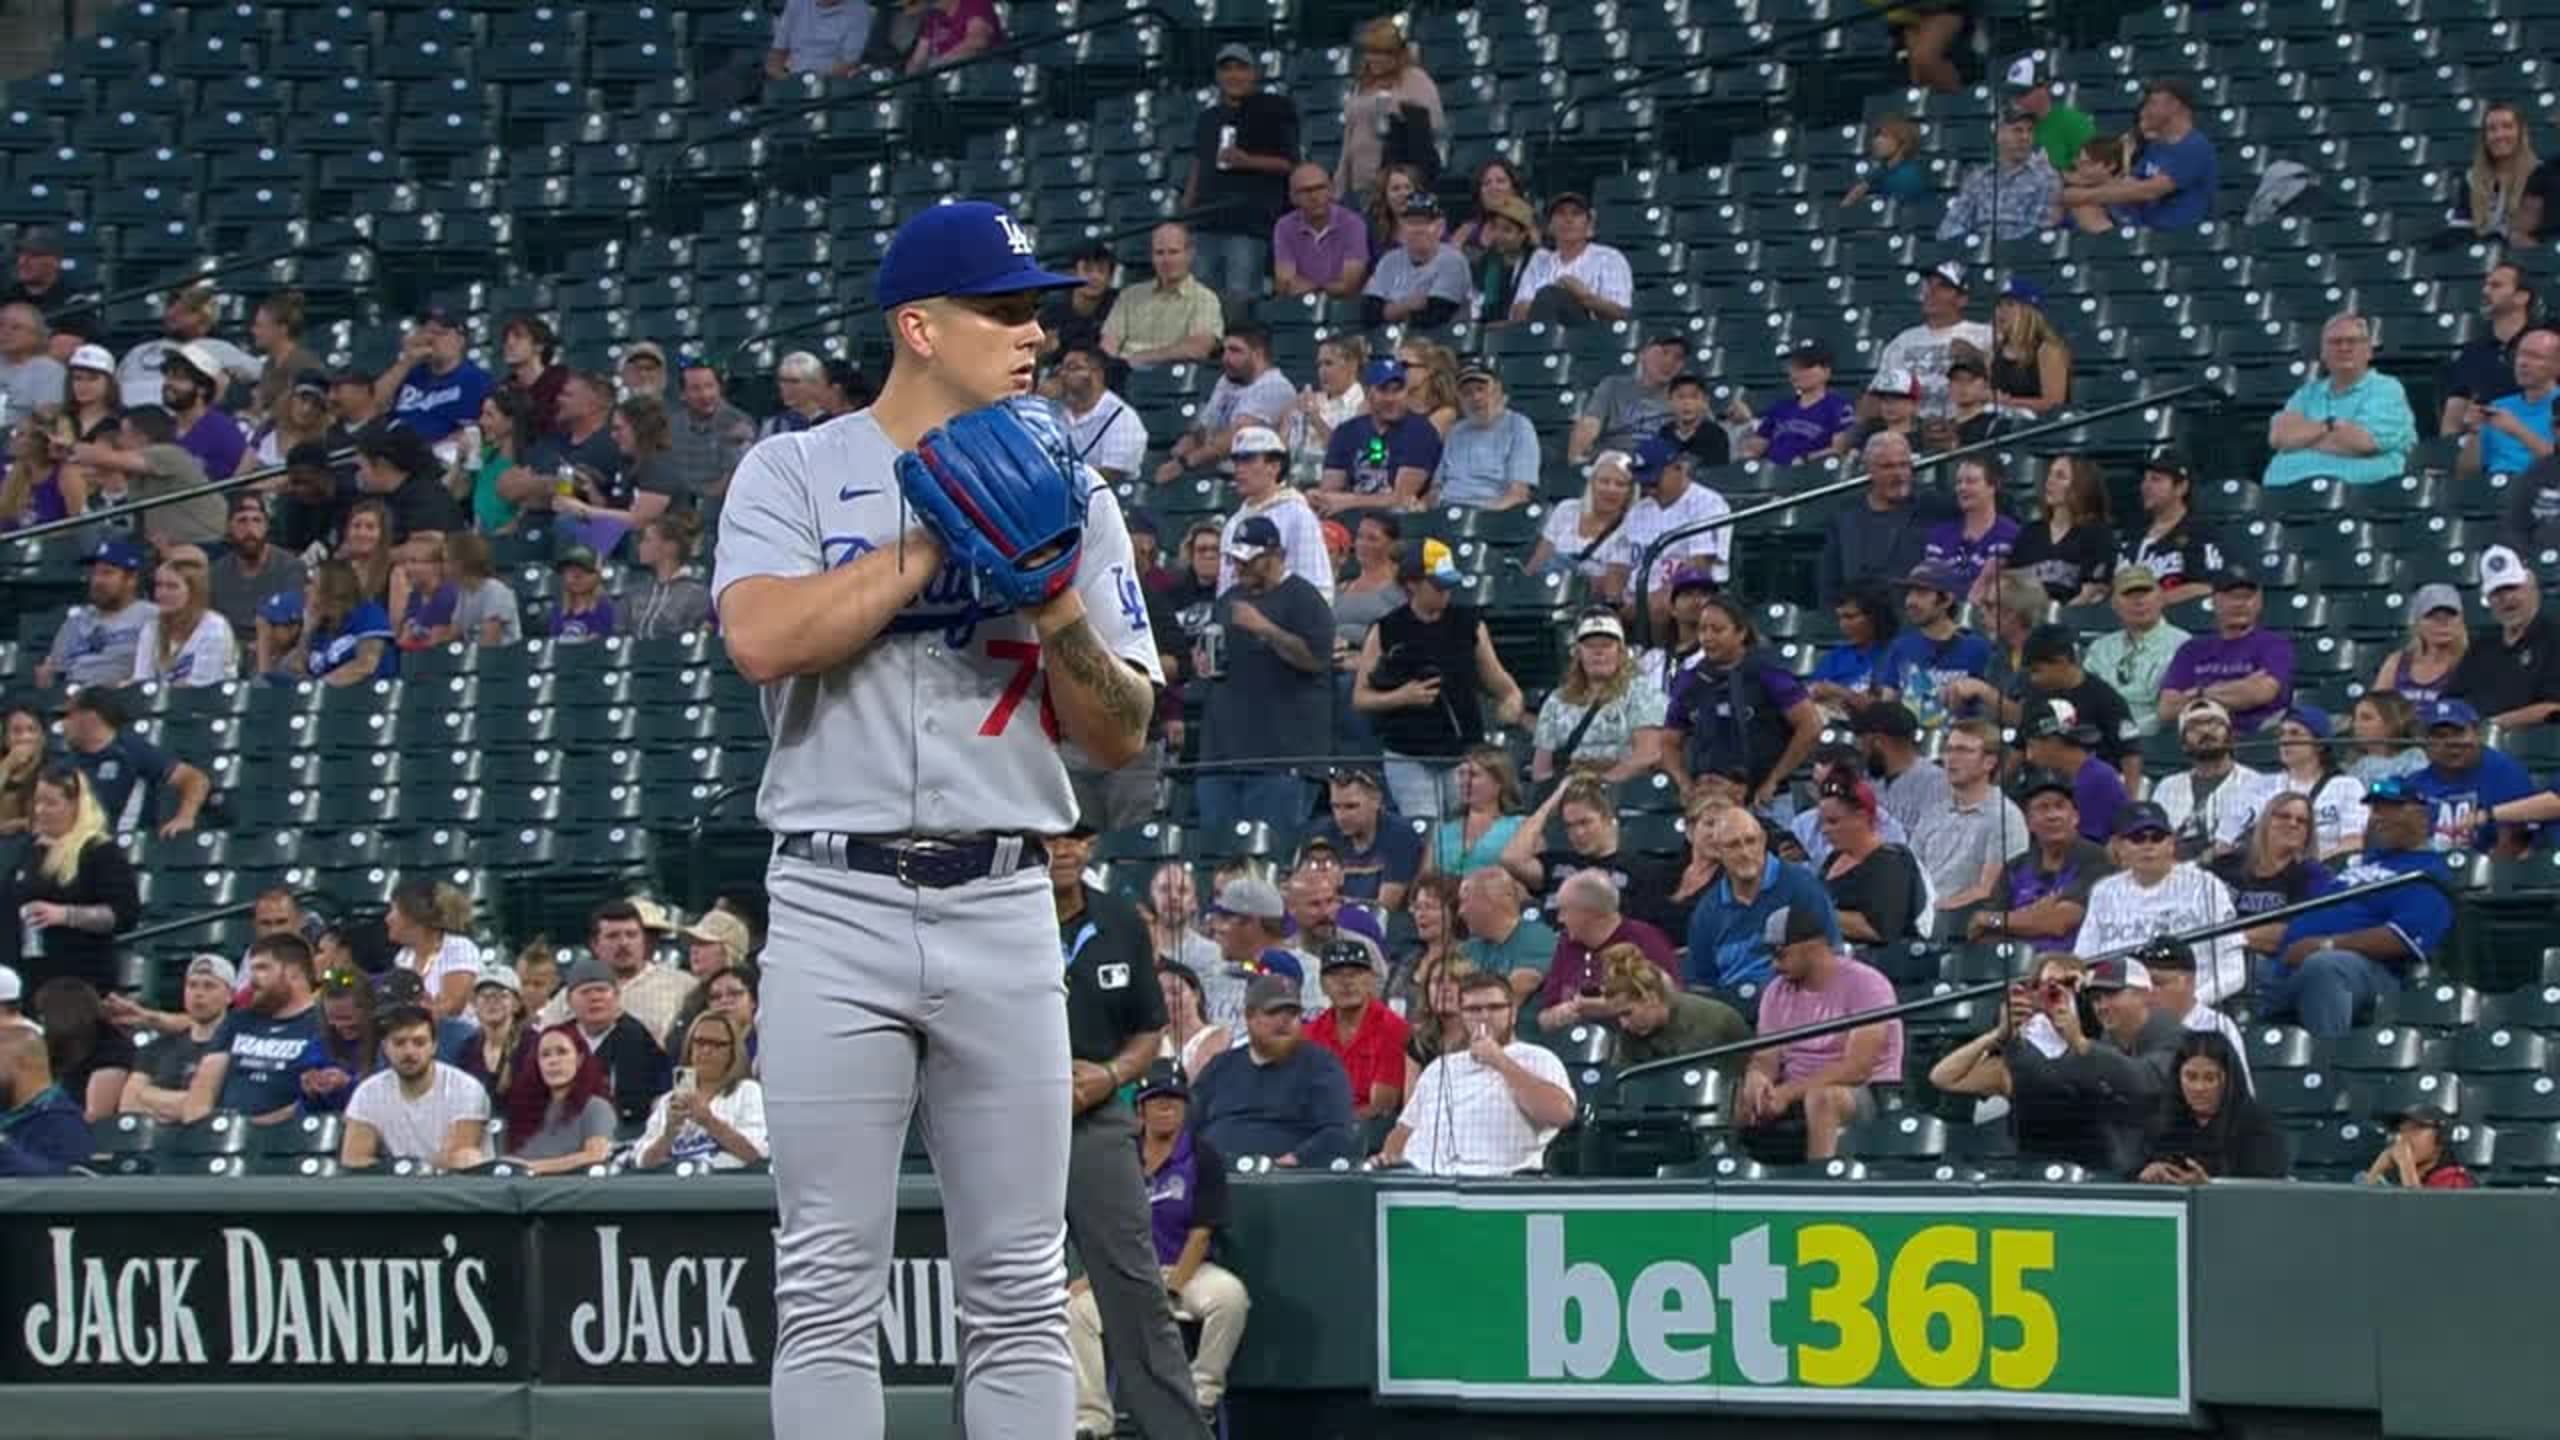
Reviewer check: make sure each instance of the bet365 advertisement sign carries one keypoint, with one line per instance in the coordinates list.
(1833, 1300)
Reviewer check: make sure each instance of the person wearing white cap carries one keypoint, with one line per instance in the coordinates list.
(2511, 674)
(13, 998)
(89, 398)
(1101, 427)
(1271, 692)
(1607, 712)
(1262, 484)
(29, 376)
(1923, 349)
(157, 1086)
(188, 318)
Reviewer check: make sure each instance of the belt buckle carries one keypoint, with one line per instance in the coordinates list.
(899, 867)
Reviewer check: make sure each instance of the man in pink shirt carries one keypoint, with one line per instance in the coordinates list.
(1819, 1084)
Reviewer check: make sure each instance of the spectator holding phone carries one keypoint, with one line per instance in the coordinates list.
(2216, 1129)
(715, 1113)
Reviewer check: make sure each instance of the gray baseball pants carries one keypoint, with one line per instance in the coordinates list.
(874, 996)
(1107, 1214)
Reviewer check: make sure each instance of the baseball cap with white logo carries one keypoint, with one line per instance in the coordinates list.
(1255, 440)
(2500, 567)
(968, 247)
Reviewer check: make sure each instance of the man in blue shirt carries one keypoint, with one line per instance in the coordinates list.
(1726, 947)
(1932, 649)
(431, 388)
(1379, 858)
(259, 1054)
(2172, 182)
(128, 772)
(42, 1131)
(2333, 962)
(1275, 1095)
(2464, 779)
(2505, 436)
(1383, 459)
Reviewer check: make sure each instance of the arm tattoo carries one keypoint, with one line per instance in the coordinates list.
(1123, 695)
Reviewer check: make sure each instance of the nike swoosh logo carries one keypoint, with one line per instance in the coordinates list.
(851, 492)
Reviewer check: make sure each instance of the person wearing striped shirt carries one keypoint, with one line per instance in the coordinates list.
(2158, 894)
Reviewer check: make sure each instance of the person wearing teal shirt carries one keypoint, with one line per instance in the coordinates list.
(2511, 432)
(1500, 938)
(2352, 422)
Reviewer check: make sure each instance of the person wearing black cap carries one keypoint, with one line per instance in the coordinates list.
(2050, 664)
(1575, 280)
(1911, 785)
(2156, 894)
(1186, 1187)
(1423, 676)
(2042, 893)
(1809, 423)
(95, 643)
(2415, 1159)
(2171, 543)
(1242, 148)
(1268, 662)
(2102, 1093)
(396, 465)
(1623, 411)
(1932, 653)
(2060, 739)
(2242, 666)
(2171, 186)
(1115, 1022)
(1276, 1095)
(431, 387)
(38, 280)
(1821, 1086)
(1420, 282)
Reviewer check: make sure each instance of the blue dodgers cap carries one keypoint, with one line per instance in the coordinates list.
(122, 554)
(2392, 790)
(969, 247)
(1385, 370)
(2448, 712)
(282, 608)
(1653, 455)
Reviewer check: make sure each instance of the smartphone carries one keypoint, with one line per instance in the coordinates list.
(685, 1079)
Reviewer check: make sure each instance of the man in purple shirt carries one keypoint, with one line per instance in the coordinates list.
(2246, 670)
(191, 379)
(1319, 247)
(2059, 738)
(1811, 422)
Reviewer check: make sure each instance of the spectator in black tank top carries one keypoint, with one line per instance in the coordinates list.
(2071, 547)
(1422, 677)
(1739, 707)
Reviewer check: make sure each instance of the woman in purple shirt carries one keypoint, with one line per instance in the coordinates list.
(585, 611)
(1978, 540)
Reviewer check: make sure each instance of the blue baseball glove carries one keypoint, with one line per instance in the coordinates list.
(1003, 492)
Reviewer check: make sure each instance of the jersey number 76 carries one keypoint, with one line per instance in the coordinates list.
(1025, 655)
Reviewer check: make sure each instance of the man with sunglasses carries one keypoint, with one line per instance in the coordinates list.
(921, 691)
(2156, 894)
(2132, 660)
(2042, 893)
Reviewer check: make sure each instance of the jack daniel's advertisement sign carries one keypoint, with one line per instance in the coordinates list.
(143, 1299)
(623, 1297)
(634, 1299)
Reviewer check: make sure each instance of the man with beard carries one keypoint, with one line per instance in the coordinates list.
(158, 1086)
(2465, 780)
(417, 1107)
(96, 643)
(2214, 801)
(1275, 1095)
(260, 1053)
(250, 569)
(2511, 673)
(1250, 393)
(431, 387)
(1491, 1108)
(1382, 460)
(190, 382)
(188, 320)
(1101, 427)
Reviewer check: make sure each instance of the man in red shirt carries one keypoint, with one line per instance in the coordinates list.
(1587, 915)
(1367, 1037)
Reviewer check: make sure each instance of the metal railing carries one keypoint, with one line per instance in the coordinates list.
(1653, 551)
(116, 513)
(1604, 1102)
(353, 239)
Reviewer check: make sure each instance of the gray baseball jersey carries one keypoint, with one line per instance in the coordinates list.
(941, 726)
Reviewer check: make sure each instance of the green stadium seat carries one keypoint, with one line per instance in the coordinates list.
(2278, 1047)
(2442, 1006)
(2500, 1050)
(2307, 1094)
(2397, 1093)
(2529, 1156)
(2535, 1007)
(2385, 1049)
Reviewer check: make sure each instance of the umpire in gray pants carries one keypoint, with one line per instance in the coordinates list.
(1115, 1020)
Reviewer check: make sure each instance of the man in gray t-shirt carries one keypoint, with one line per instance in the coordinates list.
(96, 643)
(1623, 409)
(28, 376)
(1421, 282)
(1250, 391)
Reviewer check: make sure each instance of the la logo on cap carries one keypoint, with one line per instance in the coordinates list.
(1014, 235)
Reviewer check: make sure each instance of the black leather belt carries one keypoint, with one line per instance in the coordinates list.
(920, 862)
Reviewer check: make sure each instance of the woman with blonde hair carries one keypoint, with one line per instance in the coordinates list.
(300, 416)
(75, 886)
(1432, 904)
(2030, 361)
(1658, 1019)
(187, 643)
(2383, 736)
(719, 1117)
(2437, 640)
(2275, 866)
(430, 921)
(1608, 712)
(1438, 1029)
(1436, 400)
(1489, 810)
(2502, 161)
(346, 636)
(1333, 400)
(1384, 81)
(1577, 531)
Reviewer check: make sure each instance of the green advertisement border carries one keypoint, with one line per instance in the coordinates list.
(1792, 1395)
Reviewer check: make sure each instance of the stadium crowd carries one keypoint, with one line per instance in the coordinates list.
(1463, 875)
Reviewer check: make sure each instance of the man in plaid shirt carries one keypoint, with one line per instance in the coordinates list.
(2012, 196)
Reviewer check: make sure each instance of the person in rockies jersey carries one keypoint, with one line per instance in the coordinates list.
(917, 693)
